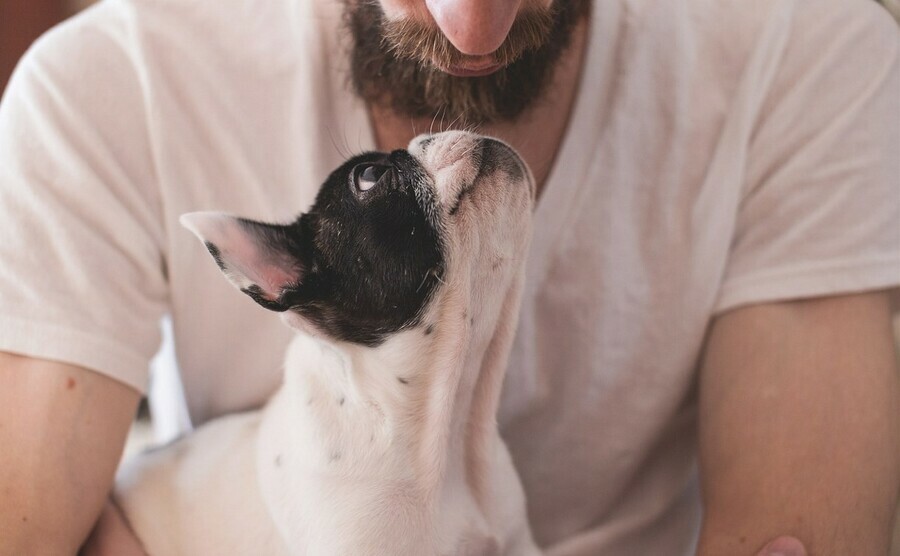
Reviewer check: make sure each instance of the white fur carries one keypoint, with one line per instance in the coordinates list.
(389, 451)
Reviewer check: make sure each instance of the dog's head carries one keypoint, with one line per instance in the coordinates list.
(387, 234)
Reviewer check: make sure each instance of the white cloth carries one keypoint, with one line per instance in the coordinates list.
(720, 153)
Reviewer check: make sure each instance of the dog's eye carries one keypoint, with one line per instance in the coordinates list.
(367, 176)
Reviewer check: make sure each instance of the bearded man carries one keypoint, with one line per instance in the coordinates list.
(704, 357)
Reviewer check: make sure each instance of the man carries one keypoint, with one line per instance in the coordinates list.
(714, 244)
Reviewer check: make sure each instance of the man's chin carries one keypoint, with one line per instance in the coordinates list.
(472, 90)
(481, 70)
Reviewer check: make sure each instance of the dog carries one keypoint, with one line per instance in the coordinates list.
(403, 281)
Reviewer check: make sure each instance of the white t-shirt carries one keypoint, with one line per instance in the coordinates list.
(721, 152)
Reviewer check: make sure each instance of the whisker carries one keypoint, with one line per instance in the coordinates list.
(431, 127)
(334, 144)
(430, 272)
(455, 121)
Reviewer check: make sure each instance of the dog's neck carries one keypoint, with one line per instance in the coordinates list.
(442, 388)
(429, 393)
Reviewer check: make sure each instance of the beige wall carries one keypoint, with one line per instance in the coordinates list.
(76, 5)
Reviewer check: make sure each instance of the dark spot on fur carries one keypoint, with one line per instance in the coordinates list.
(216, 254)
(336, 456)
(472, 321)
(24, 518)
(402, 380)
(70, 383)
(429, 329)
(341, 401)
(491, 156)
(455, 208)
(309, 401)
(278, 460)
(495, 156)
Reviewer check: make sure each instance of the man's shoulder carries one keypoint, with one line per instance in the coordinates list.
(181, 37)
(95, 37)
(731, 24)
(728, 42)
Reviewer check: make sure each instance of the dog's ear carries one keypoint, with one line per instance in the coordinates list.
(262, 260)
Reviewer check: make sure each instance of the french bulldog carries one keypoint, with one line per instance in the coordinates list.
(403, 281)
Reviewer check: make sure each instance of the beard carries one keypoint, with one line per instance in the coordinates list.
(396, 64)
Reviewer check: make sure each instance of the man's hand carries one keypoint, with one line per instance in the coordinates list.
(800, 427)
(62, 429)
(112, 536)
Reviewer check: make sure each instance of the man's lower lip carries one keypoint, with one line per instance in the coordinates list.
(467, 72)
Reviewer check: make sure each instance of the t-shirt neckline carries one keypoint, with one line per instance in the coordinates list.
(574, 156)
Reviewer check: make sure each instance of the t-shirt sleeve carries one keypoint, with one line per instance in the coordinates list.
(820, 213)
(82, 276)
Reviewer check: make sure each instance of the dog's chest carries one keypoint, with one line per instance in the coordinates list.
(332, 460)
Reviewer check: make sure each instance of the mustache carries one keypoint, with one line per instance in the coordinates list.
(424, 42)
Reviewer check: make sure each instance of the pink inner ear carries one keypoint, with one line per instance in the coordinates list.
(248, 260)
(268, 269)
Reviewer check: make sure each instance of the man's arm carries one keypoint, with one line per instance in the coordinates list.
(800, 427)
(62, 429)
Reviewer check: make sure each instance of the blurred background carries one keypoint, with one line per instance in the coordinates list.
(21, 22)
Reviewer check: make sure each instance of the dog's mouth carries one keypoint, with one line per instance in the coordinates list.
(498, 156)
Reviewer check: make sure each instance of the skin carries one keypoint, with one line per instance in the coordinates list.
(799, 426)
(475, 27)
(67, 425)
(790, 448)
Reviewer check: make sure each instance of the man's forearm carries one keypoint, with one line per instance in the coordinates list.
(61, 431)
(799, 428)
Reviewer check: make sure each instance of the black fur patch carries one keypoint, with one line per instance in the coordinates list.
(216, 254)
(258, 296)
(371, 259)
